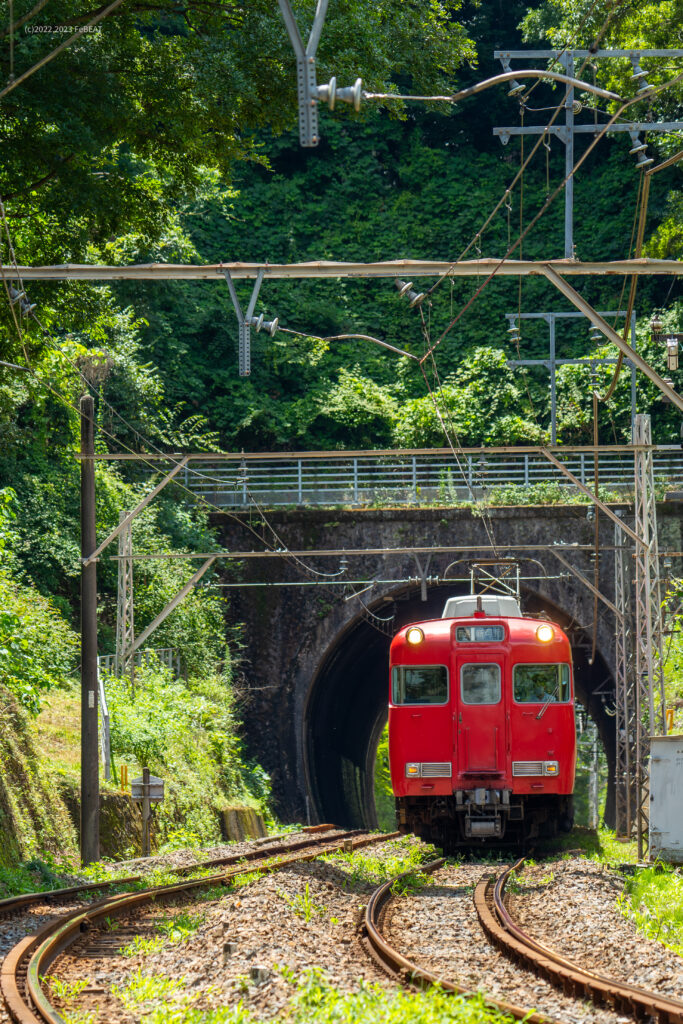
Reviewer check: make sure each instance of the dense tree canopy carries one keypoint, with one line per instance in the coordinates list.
(116, 130)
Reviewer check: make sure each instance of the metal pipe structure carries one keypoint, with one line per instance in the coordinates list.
(567, 131)
(612, 335)
(372, 453)
(332, 268)
(624, 721)
(125, 622)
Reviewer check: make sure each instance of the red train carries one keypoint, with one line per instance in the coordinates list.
(482, 741)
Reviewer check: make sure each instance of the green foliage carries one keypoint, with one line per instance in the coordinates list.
(37, 648)
(653, 900)
(158, 1000)
(395, 857)
(142, 946)
(105, 141)
(36, 875)
(601, 846)
(179, 927)
(174, 929)
(303, 903)
(385, 803)
(188, 731)
(673, 653)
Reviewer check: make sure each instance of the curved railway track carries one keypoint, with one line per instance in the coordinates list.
(573, 979)
(28, 962)
(15, 904)
(406, 971)
(517, 945)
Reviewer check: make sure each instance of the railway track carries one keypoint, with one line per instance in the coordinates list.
(489, 900)
(16, 904)
(27, 964)
(573, 979)
(406, 971)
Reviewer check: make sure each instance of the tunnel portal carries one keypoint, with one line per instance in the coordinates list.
(347, 706)
(314, 669)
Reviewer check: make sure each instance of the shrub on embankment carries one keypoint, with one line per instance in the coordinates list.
(33, 817)
(185, 730)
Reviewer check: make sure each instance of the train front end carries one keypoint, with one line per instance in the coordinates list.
(482, 740)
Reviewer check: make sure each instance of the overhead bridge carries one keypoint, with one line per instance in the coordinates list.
(414, 476)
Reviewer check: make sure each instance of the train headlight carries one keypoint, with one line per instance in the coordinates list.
(545, 633)
(413, 770)
(415, 635)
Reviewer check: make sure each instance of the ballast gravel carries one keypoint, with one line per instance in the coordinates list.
(438, 928)
(14, 927)
(582, 895)
(250, 940)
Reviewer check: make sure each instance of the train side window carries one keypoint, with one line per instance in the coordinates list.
(480, 684)
(541, 684)
(425, 684)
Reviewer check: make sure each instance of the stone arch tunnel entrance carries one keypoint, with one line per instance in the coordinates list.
(315, 672)
(347, 703)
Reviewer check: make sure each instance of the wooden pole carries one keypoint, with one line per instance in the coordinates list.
(146, 813)
(90, 778)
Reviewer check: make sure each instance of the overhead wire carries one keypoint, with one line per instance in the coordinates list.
(522, 234)
(505, 199)
(540, 141)
(430, 351)
(386, 345)
(542, 210)
(97, 426)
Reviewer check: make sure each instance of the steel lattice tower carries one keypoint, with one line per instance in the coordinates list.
(125, 632)
(650, 709)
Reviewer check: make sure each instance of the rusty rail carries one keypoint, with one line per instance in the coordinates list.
(14, 904)
(406, 971)
(28, 962)
(573, 979)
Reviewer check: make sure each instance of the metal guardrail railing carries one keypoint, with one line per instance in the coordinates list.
(339, 478)
(167, 656)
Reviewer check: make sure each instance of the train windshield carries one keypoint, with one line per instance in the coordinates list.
(480, 684)
(427, 684)
(541, 684)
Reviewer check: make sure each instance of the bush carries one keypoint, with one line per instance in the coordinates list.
(37, 647)
(186, 732)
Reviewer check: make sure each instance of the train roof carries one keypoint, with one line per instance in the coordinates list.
(520, 629)
(504, 606)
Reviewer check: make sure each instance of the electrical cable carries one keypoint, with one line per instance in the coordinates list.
(195, 497)
(556, 114)
(543, 208)
(345, 337)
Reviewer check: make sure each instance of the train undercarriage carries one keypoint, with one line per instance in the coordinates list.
(484, 817)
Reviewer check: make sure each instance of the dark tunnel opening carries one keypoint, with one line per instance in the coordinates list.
(347, 703)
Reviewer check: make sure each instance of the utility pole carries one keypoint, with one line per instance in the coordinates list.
(566, 132)
(90, 778)
(125, 631)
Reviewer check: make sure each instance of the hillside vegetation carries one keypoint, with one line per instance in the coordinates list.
(175, 140)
